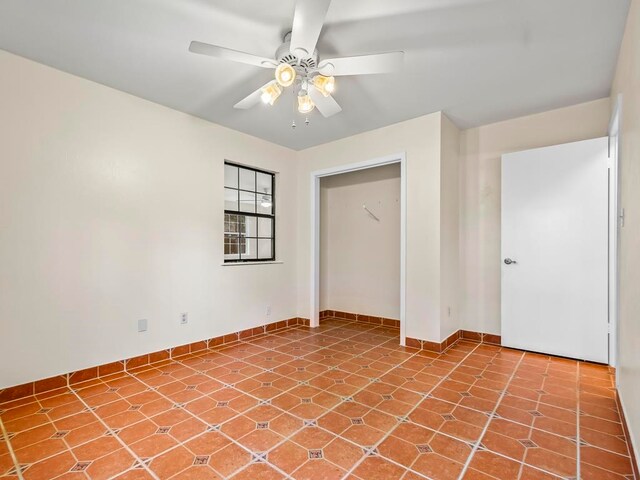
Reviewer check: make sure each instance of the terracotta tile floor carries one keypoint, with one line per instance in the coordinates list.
(341, 401)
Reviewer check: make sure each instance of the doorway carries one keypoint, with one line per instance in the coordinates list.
(316, 238)
(360, 242)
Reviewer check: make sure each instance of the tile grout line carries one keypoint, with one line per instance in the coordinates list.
(126, 447)
(328, 410)
(5, 435)
(374, 407)
(369, 331)
(230, 358)
(486, 427)
(338, 341)
(234, 441)
(157, 364)
(288, 438)
(388, 434)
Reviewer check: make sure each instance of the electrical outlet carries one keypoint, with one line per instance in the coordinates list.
(142, 325)
(268, 310)
(184, 318)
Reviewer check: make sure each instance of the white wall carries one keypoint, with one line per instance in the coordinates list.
(420, 139)
(111, 210)
(480, 152)
(449, 229)
(359, 256)
(627, 83)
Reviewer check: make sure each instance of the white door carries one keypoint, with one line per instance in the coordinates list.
(555, 250)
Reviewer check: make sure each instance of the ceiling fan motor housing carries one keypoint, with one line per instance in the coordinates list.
(284, 55)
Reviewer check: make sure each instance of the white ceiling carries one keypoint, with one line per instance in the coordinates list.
(479, 61)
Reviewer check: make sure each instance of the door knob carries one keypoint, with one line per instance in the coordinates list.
(508, 261)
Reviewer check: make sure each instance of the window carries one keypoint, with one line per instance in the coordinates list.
(249, 214)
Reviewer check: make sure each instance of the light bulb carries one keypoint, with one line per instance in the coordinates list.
(305, 104)
(270, 93)
(285, 74)
(325, 85)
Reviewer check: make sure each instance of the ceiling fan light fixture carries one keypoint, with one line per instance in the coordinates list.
(325, 85)
(270, 93)
(285, 74)
(305, 104)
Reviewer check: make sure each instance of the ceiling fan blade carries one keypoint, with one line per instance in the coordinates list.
(307, 23)
(327, 106)
(233, 55)
(252, 99)
(363, 64)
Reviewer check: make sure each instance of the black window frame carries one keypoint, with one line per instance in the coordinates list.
(256, 215)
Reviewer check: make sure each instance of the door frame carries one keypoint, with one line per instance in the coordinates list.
(314, 316)
(615, 217)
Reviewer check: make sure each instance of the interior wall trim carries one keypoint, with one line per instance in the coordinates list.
(66, 380)
(452, 339)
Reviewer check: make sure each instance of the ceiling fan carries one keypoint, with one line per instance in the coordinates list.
(298, 65)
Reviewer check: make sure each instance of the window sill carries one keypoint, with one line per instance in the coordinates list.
(237, 264)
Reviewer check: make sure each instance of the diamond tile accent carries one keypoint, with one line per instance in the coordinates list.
(44, 410)
(366, 366)
(201, 460)
(528, 443)
(80, 467)
(142, 462)
(370, 451)
(314, 454)
(535, 413)
(259, 457)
